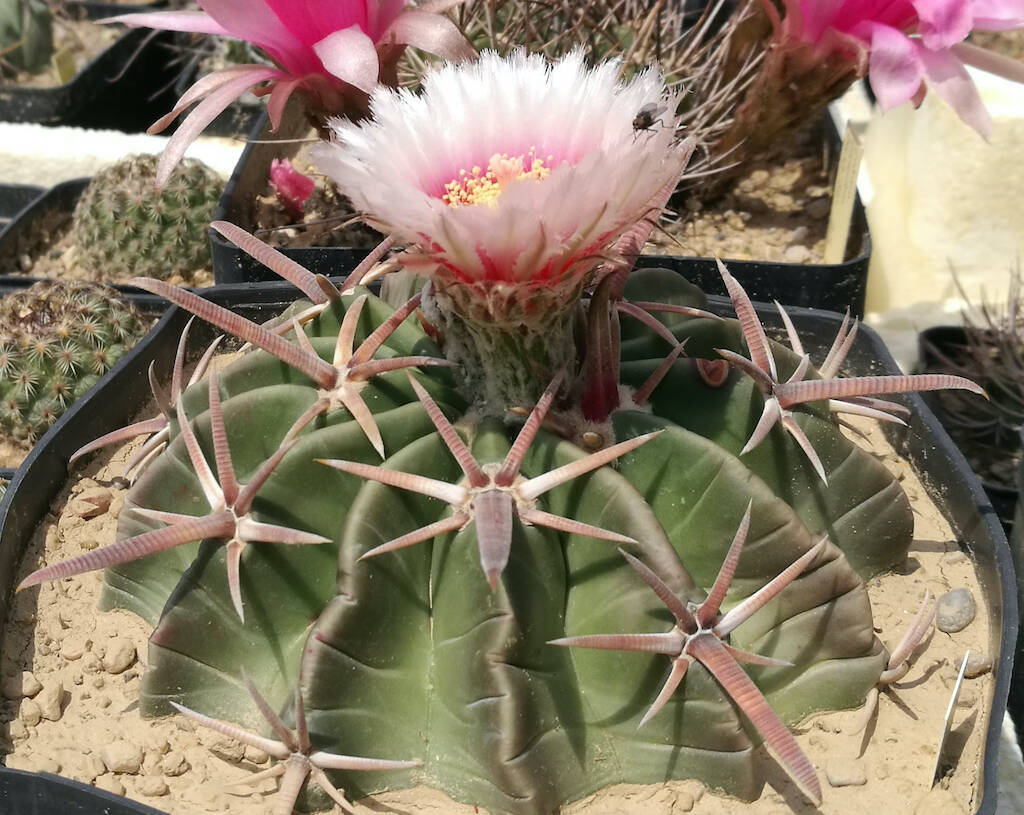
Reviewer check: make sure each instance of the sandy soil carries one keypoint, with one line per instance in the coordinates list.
(75, 714)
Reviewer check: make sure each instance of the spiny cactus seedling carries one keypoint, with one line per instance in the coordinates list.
(124, 226)
(56, 339)
(26, 36)
(422, 611)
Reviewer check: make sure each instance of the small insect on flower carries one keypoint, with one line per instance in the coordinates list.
(648, 115)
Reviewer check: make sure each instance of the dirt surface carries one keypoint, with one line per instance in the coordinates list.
(12, 451)
(75, 715)
(83, 38)
(49, 250)
(777, 210)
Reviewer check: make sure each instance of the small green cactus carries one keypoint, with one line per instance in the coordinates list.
(125, 226)
(26, 35)
(56, 340)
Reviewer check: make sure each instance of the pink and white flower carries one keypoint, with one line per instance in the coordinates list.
(511, 177)
(901, 44)
(330, 52)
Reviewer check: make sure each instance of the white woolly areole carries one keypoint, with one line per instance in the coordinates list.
(604, 173)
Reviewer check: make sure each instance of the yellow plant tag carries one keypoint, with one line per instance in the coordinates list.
(844, 193)
(63, 62)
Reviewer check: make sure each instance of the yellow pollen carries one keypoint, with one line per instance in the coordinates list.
(477, 186)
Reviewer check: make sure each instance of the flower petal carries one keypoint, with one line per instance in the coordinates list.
(204, 113)
(942, 23)
(432, 33)
(998, 15)
(192, 22)
(895, 69)
(351, 56)
(947, 75)
(255, 22)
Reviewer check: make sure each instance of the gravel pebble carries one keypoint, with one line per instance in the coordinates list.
(174, 763)
(33, 764)
(796, 254)
(955, 611)
(91, 503)
(110, 784)
(152, 786)
(119, 656)
(20, 685)
(29, 712)
(122, 756)
(51, 700)
(978, 664)
(844, 772)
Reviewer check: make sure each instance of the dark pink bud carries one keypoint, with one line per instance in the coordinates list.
(293, 188)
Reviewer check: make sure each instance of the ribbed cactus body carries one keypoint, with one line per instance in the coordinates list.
(124, 226)
(411, 654)
(56, 339)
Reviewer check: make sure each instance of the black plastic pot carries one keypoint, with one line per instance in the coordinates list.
(1015, 704)
(125, 87)
(57, 202)
(943, 471)
(834, 287)
(946, 339)
(14, 198)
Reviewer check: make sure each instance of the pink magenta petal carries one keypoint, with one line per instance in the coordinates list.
(194, 22)
(947, 75)
(895, 70)
(351, 56)
(204, 86)
(431, 33)
(998, 15)
(942, 23)
(312, 21)
(254, 22)
(204, 113)
(278, 99)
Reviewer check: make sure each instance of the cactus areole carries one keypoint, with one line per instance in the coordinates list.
(517, 538)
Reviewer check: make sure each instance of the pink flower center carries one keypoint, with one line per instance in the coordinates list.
(480, 185)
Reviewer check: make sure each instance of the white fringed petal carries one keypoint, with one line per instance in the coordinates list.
(604, 172)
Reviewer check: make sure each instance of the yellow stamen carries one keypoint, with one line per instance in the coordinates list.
(478, 186)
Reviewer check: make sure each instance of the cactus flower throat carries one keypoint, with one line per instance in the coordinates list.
(485, 186)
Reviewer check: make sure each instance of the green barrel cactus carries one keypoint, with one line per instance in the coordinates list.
(124, 226)
(56, 340)
(547, 526)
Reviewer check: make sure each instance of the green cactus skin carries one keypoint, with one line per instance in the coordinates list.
(125, 227)
(56, 340)
(410, 654)
(26, 35)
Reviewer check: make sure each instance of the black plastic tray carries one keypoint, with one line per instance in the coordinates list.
(107, 92)
(944, 472)
(61, 198)
(832, 287)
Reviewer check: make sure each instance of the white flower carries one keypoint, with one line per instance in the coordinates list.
(510, 173)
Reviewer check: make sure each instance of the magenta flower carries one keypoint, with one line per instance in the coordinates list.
(900, 44)
(332, 53)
